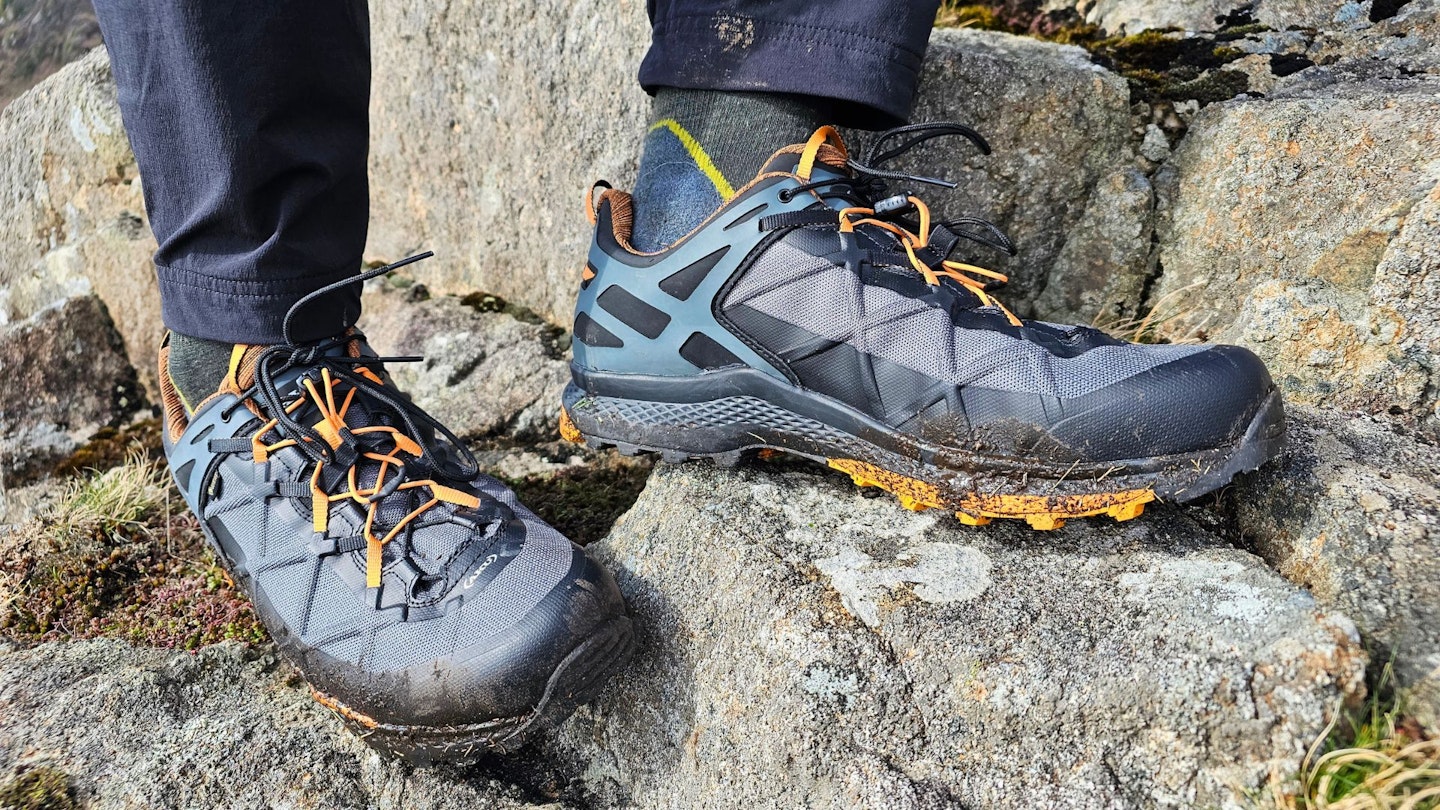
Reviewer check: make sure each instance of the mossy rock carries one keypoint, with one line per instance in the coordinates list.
(584, 502)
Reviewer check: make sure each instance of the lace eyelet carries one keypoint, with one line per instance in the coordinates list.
(786, 195)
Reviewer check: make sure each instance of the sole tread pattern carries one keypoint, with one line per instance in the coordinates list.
(1040, 512)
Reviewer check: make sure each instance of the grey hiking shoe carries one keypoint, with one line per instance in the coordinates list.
(818, 313)
(427, 607)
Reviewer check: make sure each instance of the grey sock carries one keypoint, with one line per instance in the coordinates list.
(702, 146)
(197, 366)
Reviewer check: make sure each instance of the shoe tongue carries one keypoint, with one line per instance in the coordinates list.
(434, 546)
(241, 374)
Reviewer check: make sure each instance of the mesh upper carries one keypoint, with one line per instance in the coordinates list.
(827, 299)
(321, 597)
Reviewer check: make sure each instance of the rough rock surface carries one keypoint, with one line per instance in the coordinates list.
(484, 371)
(1133, 16)
(1060, 127)
(492, 120)
(805, 645)
(227, 728)
(1353, 514)
(66, 377)
(74, 218)
(1306, 226)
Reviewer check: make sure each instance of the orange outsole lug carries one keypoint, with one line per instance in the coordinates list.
(1044, 523)
(972, 520)
(568, 431)
(1127, 511)
(1041, 512)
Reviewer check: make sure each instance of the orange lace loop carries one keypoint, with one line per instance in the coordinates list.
(388, 479)
(824, 135)
(959, 271)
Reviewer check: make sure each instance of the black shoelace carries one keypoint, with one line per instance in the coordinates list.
(400, 447)
(869, 186)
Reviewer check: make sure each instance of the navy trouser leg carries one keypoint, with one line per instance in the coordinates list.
(865, 54)
(249, 121)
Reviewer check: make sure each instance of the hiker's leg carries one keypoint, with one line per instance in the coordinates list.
(249, 121)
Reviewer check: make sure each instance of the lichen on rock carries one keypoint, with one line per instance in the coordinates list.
(795, 632)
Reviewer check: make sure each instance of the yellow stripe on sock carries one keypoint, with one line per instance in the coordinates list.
(185, 403)
(697, 154)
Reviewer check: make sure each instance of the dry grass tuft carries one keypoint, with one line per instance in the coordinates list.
(1381, 760)
(109, 504)
(1165, 322)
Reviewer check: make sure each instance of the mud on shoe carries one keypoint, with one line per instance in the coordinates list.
(818, 312)
(432, 611)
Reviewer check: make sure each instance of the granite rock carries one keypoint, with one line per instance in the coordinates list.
(75, 218)
(1305, 226)
(66, 377)
(228, 727)
(1352, 513)
(805, 645)
(483, 372)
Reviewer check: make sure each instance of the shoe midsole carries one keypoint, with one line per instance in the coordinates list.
(741, 409)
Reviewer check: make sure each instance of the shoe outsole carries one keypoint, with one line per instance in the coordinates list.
(577, 680)
(977, 489)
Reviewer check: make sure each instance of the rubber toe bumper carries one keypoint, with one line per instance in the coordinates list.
(1202, 401)
(496, 695)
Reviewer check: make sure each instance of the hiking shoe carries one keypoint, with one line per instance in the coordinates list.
(433, 612)
(818, 313)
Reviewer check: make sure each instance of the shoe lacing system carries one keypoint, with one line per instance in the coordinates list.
(419, 453)
(866, 189)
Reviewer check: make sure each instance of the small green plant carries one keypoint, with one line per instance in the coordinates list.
(1379, 759)
(112, 558)
(109, 504)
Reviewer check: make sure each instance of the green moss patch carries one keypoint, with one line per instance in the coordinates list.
(1022, 17)
(39, 788)
(584, 502)
(111, 446)
(1159, 64)
(118, 557)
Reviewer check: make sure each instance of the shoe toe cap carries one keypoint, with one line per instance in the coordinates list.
(1198, 402)
(498, 670)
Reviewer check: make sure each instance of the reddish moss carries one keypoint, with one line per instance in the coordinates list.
(154, 584)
